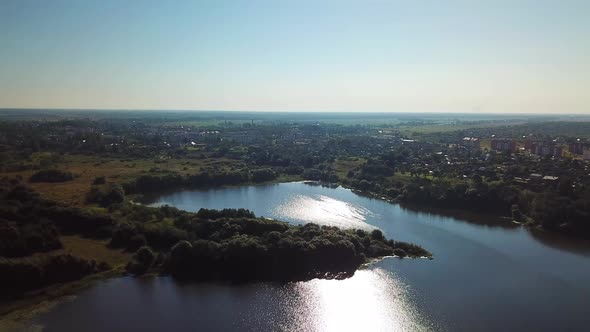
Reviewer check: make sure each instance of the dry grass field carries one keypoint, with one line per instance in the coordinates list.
(342, 166)
(87, 168)
(94, 249)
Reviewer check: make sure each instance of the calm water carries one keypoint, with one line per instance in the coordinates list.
(489, 275)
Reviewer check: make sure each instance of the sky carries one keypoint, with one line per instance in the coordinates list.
(379, 56)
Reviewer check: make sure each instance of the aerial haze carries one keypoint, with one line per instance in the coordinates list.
(379, 56)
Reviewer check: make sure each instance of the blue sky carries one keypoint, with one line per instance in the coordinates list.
(399, 56)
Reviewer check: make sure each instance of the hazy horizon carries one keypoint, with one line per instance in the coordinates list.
(354, 114)
(459, 57)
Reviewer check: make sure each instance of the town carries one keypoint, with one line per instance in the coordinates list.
(528, 160)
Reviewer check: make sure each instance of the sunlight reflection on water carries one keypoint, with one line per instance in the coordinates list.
(373, 299)
(324, 210)
(387, 296)
(370, 301)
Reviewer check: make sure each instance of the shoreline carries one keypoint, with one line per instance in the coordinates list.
(27, 308)
(41, 300)
(469, 215)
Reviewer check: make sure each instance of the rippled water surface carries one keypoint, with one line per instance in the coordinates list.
(487, 275)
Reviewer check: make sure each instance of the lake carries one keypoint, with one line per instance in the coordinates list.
(487, 274)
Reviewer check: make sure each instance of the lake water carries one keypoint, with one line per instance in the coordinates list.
(486, 275)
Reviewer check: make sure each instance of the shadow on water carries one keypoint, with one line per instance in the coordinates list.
(554, 240)
(462, 216)
(484, 219)
(561, 241)
(152, 198)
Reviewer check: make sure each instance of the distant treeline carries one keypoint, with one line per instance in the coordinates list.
(154, 183)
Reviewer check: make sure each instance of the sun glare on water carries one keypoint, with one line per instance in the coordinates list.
(372, 300)
(324, 210)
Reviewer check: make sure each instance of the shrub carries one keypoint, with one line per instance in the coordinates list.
(263, 174)
(106, 196)
(99, 180)
(400, 252)
(377, 235)
(142, 261)
(136, 241)
(52, 175)
(20, 239)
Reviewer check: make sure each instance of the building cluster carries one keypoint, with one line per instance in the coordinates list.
(577, 148)
(504, 144)
(580, 149)
(471, 142)
(543, 149)
(536, 179)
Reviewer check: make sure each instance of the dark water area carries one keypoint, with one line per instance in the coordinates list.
(487, 274)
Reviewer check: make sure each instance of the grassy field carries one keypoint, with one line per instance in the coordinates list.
(94, 249)
(342, 166)
(88, 249)
(87, 168)
(485, 144)
(403, 177)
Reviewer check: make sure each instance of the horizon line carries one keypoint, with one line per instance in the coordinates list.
(279, 111)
